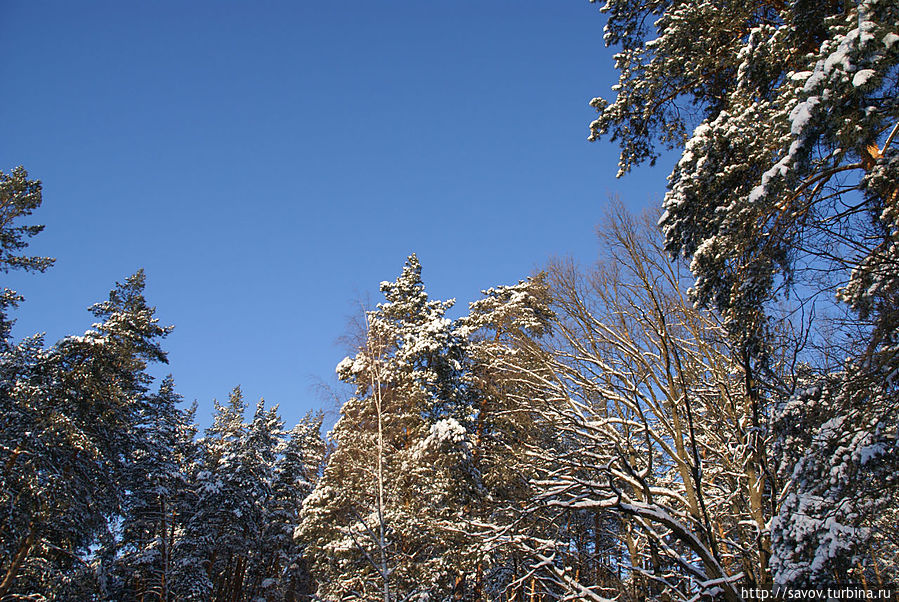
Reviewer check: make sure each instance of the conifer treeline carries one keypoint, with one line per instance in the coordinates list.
(106, 492)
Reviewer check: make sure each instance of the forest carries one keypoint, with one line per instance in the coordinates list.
(708, 412)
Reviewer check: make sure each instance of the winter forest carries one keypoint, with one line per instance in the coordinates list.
(710, 410)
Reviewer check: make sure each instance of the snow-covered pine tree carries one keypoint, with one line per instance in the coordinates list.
(29, 463)
(501, 327)
(76, 409)
(787, 115)
(385, 519)
(19, 197)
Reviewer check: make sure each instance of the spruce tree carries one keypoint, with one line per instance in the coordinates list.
(297, 469)
(245, 496)
(213, 536)
(156, 504)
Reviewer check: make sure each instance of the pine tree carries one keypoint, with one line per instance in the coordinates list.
(501, 328)
(786, 118)
(381, 522)
(76, 407)
(19, 197)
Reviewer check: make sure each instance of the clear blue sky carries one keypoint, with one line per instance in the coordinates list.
(268, 163)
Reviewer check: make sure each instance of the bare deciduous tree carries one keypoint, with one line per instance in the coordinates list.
(658, 437)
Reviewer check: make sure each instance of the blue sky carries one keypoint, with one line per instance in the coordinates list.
(269, 163)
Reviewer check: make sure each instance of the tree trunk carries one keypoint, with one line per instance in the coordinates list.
(17, 561)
